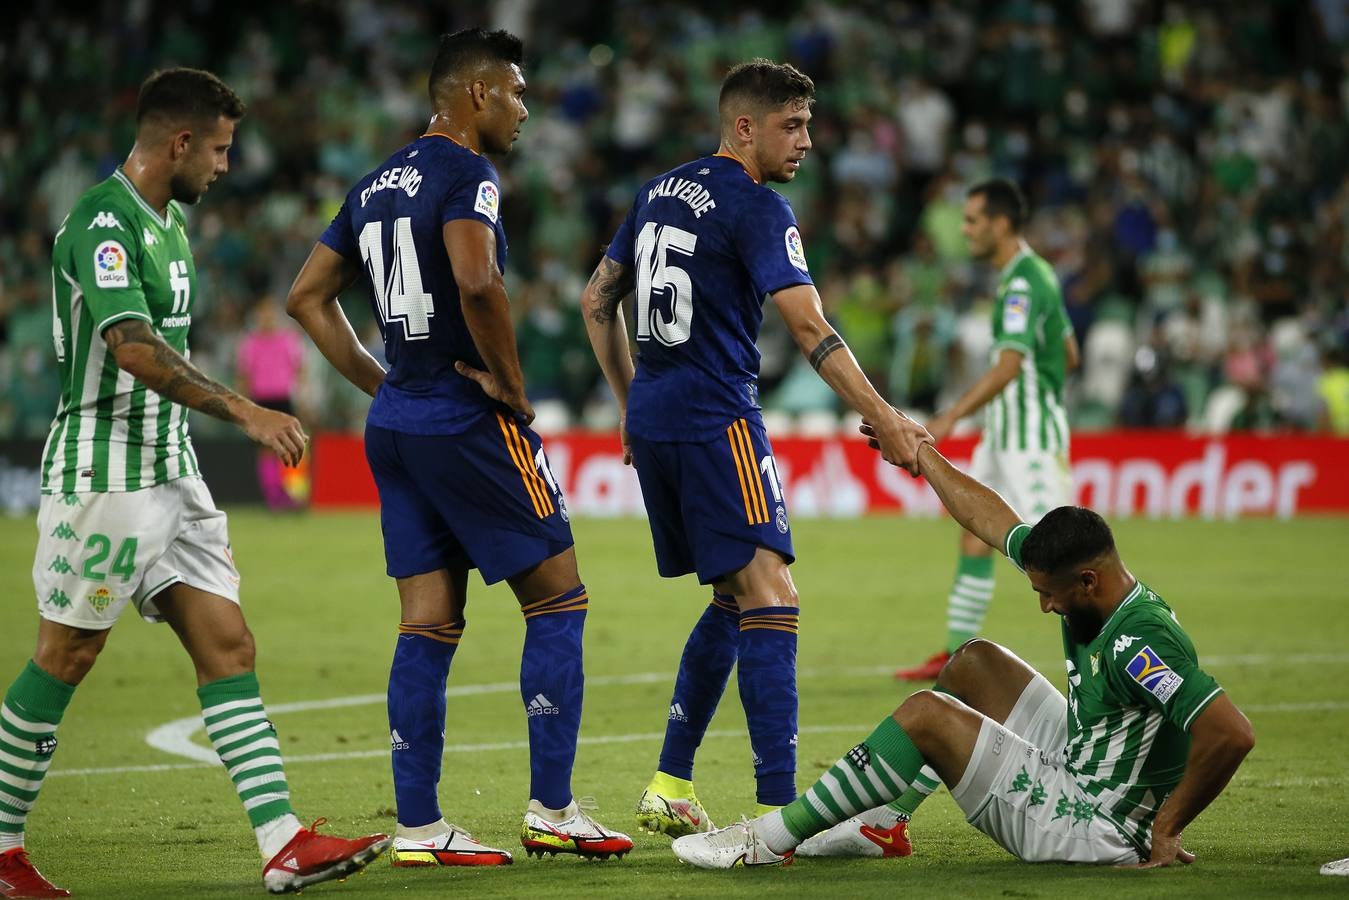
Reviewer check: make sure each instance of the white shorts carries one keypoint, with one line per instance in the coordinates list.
(1032, 481)
(97, 552)
(1016, 791)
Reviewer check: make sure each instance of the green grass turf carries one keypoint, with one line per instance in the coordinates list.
(873, 597)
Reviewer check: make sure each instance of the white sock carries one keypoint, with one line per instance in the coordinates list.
(555, 816)
(10, 839)
(274, 835)
(772, 829)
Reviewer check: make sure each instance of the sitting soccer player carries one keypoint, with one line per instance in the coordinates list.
(1144, 741)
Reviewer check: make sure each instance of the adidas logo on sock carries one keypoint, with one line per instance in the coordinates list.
(397, 740)
(541, 706)
(677, 713)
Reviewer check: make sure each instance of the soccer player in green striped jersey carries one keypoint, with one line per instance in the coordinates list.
(1024, 451)
(125, 517)
(1142, 744)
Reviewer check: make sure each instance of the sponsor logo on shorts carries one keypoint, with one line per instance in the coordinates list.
(396, 740)
(61, 566)
(100, 599)
(541, 706)
(64, 532)
(782, 520)
(677, 713)
(58, 599)
(1149, 670)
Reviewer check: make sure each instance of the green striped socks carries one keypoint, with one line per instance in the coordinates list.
(969, 599)
(240, 732)
(872, 774)
(32, 709)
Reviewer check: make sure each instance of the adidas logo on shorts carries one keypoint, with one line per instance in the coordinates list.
(541, 706)
(677, 713)
(397, 741)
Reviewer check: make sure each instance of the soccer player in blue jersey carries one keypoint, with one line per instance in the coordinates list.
(463, 481)
(703, 246)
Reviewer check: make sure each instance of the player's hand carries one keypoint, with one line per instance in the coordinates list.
(898, 437)
(1166, 850)
(626, 441)
(939, 426)
(280, 432)
(493, 388)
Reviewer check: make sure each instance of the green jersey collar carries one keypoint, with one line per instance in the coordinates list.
(1128, 598)
(163, 220)
(1022, 252)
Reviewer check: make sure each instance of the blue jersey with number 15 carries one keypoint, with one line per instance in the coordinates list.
(708, 245)
(391, 222)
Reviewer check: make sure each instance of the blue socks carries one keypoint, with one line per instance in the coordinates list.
(703, 671)
(552, 684)
(767, 679)
(421, 663)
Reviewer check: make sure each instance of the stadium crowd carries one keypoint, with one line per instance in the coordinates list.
(1186, 165)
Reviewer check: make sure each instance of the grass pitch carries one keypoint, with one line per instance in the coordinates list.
(1263, 600)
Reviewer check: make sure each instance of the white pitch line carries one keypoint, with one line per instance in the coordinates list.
(450, 748)
(175, 737)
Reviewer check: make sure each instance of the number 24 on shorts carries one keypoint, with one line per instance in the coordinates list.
(100, 547)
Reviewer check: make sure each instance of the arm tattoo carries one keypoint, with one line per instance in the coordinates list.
(822, 350)
(168, 374)
(610, 283)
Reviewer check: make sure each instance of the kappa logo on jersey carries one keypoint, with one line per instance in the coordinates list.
(1148, 669)
(110, 269)
(489, 200)
(1016, 313)
(1124, 642)
(796, 252)
(104, 220)
(148, 237)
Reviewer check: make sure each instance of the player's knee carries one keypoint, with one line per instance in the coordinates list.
(971, 664)
(922, 713)
(233, 654)
(69, 661)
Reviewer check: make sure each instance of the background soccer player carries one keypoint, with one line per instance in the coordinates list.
(125, 517)
(703, 246)
(463, 481)
(1143, 743)
(1024, 450)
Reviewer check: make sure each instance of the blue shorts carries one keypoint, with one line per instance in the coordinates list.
(711, 504)
(483, 498)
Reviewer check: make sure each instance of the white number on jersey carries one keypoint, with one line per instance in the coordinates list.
(655, 274)
(399, 297)
(181, 285)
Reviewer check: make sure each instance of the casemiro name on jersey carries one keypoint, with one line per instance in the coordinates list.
(404, 178)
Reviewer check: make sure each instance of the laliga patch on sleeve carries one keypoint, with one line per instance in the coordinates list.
(1148, 669)
(110, 265)
(1016, 313)
(796, 252)
(489, 200)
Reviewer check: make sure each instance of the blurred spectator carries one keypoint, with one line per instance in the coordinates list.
(1186, 166)
(269, 365)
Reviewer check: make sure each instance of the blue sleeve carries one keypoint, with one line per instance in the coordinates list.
(770, 246)
(620, 248)
(338, 237)
(475, 194)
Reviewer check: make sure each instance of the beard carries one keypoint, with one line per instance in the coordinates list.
(184, 190)
(1084, 625)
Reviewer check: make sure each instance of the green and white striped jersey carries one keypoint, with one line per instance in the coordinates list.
(1029, 317)
(115, 258)
(1133, 693)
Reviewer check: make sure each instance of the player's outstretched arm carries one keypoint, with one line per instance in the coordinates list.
(989, 385)
(897, 436)
(151, 361)
(472, 247)
(1219, 740)
(978, 508)
(313, 303)
(602, 306)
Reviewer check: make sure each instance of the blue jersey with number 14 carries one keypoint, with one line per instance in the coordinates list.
(708, 245)
(391, 222)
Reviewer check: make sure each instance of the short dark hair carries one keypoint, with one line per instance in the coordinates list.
(469, 48)
(1002, 198)
(765, 85)
(182, 94)
(1065, 537)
